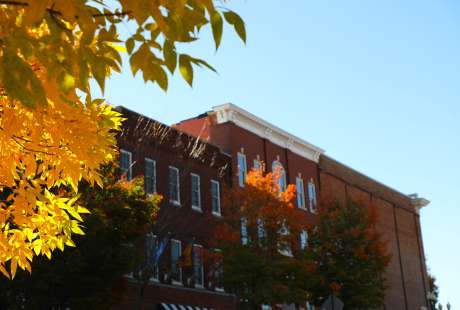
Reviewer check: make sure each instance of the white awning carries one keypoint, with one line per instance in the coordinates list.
(166, 306)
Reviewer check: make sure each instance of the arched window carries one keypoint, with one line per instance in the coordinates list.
(278, 170)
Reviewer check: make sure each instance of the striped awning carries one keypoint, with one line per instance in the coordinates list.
(166, 306)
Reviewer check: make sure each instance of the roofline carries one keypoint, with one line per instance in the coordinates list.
(231, 113)
(416, 201)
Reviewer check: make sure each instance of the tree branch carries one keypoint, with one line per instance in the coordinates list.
(52, 11)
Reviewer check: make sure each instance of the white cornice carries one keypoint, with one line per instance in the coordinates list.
(242, 118)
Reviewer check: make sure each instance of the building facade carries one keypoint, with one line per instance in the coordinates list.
(238, 141)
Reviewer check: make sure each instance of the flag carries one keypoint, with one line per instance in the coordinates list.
(185, 259)
(159, 250)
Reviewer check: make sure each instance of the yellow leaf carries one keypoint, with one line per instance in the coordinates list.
(3, 270)
(14, 266)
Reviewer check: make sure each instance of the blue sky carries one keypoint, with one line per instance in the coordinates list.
(374, 83)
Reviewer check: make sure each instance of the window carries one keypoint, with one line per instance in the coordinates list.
(278, 170)
(303, 239)
(260, 231)
(284, 246)
(312, 196)
(244, 231)
(300, 193)
(257, 164)
(242, 169)
(310, 306)
(217, 271)
(198, 270)
(215, 196)
(150, 176)
(151, 244)
(126, 164)
(176, 271)
(174, 188)
(196, 195)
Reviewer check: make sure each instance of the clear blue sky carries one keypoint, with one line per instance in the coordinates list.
(374, 83)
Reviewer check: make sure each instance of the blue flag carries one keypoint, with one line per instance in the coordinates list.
(159, 250)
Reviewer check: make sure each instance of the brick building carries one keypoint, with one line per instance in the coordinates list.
(236, 141)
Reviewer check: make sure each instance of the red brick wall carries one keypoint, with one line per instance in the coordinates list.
(397, 222)
(144, 137)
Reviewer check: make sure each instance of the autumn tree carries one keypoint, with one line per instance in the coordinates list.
(91, 275)
(53, 134)
(349, 257)
(259, 237)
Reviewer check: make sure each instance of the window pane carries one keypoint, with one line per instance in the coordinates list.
(125, 164)
(198, 265)
(175, 254)
(150, 176)
(244, 231)
(196, 191)
(242, 169)
(300, 193)
(174, 185)
(215, 193)
(303, 239)
(278, 169)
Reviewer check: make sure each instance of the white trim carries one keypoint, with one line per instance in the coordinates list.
(130, 168)
(174, 202)
(242, 118)
(180, 268)
(212, 198)
(147, 159)
(312, 196)
(244, 169)
(198, 207)
(303, 206)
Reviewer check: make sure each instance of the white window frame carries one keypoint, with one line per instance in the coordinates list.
(154, 177)
(244, 227)
(300, 198)
(288, 250)
(178, 265)
(257, 164)
(216, 213)
(303, 234)
(220, 288)
(195, 207)
(172, 201)
(156, 269)
(275, 164)
(242, 170)
(202, 265)
(312, 199)
(130, 167)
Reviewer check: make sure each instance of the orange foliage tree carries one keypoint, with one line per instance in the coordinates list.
(349, 257)
(259, 238)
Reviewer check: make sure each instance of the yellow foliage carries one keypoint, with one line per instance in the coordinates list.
(52, 133)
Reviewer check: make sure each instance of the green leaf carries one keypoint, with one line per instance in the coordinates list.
(170, 56)
(185, 68)
(237, 22)
(217, 26)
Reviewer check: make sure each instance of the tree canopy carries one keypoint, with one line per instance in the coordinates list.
(349, 257)
(53, 134)
(91, 275)
(259, 237)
